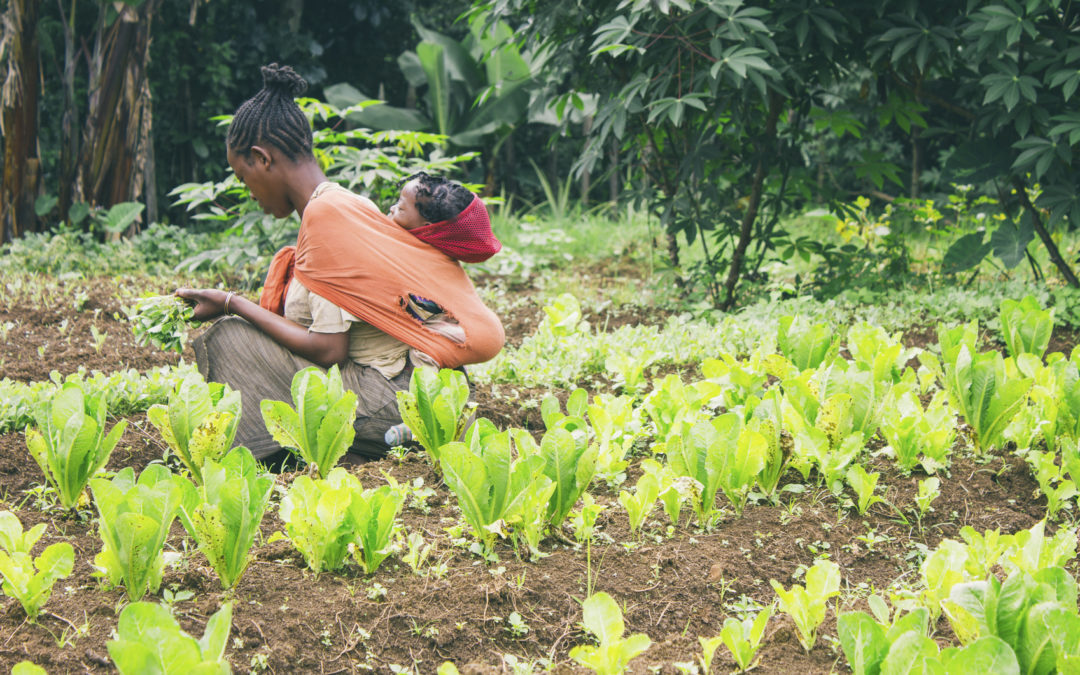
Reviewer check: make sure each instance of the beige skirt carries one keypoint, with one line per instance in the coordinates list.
(236, 353)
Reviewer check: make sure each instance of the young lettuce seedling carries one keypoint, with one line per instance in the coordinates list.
(806, 605)
(27, 579)
(436, 408)
(602, 617)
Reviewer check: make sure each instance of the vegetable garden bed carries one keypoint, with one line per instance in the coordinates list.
(674, 584)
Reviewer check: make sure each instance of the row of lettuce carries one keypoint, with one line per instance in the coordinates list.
(812, 404)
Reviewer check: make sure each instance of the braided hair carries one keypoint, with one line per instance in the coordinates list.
(271, 116)
(437, 198)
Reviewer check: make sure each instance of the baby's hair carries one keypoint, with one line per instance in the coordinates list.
(437, 198)
(272, 116)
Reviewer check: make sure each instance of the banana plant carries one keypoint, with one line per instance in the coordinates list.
(475, 91)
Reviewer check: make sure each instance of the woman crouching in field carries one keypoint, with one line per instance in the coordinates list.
(357, 290)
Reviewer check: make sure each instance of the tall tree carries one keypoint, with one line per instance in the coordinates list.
(19, 118)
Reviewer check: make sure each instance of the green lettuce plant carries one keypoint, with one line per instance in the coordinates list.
(616, 425)
(223, 514)
(317, 518)
(743, 637)
(738, 379)
(987, 398)
(863, 484)
(806, 345)
(806, 605)
(672, 402)
(602, 617)
(149, 640)
(436, 408)
(12, 537)
(641, 502)
(1025, 326)
(984, 550)
(69, 443)
(767, 419)
(490, 484)
(873, 350)
(569, 462)
(373, 512)
(26, 578)
(198, 422)
(872, 647)
(1058, 490)
(134, 517)
(1025, 612)
(320, 426)
(917, 436)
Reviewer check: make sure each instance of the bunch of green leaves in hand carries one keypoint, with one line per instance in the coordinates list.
(161, 320)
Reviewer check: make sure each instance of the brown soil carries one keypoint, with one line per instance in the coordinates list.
(673, 586)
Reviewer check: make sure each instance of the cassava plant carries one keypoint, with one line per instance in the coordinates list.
(134, 517)
(69, 443)
(199, 422)
(320, 426)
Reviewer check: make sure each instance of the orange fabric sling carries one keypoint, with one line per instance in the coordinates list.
(353, 255)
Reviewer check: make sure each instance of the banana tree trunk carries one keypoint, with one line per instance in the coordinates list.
(116, 132)
(18, 118)
(69, 121)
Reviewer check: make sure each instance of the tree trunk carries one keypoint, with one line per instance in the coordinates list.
(69, 123)
(1044, 235)
(18, 119)
(119, 98)
(614, 180)
(586, 177)
(747, 228)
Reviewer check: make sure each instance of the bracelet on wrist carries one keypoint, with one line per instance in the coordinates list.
(228, 299)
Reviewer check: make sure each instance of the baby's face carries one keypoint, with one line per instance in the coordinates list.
(404, 212)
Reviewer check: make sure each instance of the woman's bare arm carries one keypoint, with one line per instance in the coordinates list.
(324, 349)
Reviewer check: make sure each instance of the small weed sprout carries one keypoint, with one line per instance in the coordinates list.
(516, 626)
